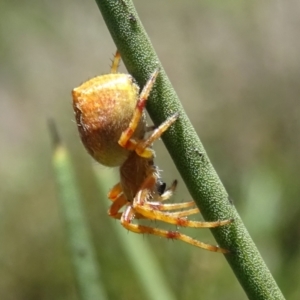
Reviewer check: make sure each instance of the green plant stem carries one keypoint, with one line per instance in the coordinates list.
(86, 267)
(187, 151)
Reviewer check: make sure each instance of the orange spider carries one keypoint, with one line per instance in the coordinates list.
(111, 121)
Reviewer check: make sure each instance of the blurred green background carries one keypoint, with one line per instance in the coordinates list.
(236, 68)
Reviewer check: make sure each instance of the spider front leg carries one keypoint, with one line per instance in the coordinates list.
(125, 140)
(166, 195)
(145, 208)
(142, 148)
(158, 212)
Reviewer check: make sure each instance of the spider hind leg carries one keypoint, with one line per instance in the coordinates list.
(128, 216)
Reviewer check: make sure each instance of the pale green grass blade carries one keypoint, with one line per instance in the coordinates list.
(82, 251)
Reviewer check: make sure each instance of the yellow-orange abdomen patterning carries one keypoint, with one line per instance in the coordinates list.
(103, 107)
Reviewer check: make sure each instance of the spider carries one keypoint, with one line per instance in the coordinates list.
(110, 117)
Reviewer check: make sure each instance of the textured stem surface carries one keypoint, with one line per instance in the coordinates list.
(187, 151)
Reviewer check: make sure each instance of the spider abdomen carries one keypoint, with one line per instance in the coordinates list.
(103, 108)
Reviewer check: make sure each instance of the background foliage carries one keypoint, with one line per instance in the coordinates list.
(236, 68)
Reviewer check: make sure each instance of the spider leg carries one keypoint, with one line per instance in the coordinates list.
(177, 214)
(170, 206)
(142, 148)
(115, 63)
(141, 206)
(138, 112)
(129, 215)
(119, 201)
(184, 213)
(167, 194)
(114, 210)
(148, 184)
(115, 192)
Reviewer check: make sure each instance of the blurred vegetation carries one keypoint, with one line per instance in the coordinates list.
(236, 67)
(81, 247)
